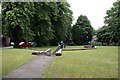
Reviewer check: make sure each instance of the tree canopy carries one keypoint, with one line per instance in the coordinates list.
(82, 31)
(110, 32)
(46, 23)
(16, 20)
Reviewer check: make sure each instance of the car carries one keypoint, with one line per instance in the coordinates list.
(23, 44)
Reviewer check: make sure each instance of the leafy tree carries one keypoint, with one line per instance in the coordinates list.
(102, 37)
(46, 23)
(94, 32)
(82, 31)
(16, 21)
(61, 20)
(52, 21)
(41, 23)
(110, 33)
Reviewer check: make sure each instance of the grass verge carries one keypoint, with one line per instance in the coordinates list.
(13, 58)
(0, 63)
(98, 63)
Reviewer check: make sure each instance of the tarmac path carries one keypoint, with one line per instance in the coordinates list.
(32, 69)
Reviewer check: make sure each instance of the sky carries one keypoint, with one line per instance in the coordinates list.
(95, 10)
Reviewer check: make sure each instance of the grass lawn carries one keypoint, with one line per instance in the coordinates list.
(13, 58)
(0, 62)
(99, 63)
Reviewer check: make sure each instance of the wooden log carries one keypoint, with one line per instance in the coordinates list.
(75, 49)
(47, 52)
(59, 52)
(37, 52)
(88, 46)
(56, 50)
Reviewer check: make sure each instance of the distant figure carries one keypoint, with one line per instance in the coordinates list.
(62, 44)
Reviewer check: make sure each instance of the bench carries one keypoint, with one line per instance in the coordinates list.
(59, 52)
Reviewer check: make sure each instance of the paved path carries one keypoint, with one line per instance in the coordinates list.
(32, 69)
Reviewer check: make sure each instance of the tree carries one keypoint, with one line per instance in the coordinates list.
(41, 23)
(16, 21)
(110, 32)
(103, 36)
(51, 21)
(46, 23)
(82, 31)
(61, 20)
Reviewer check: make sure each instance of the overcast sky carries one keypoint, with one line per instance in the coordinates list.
(95, 10)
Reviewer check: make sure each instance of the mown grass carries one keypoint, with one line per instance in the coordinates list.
(0, 63)
(98, 63)
(13, 58)
(74, 47)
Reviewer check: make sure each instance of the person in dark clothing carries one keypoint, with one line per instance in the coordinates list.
(62, 45)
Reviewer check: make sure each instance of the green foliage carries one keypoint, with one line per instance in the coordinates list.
(42, 22)
(110, 33)
(53, 19)
(82, 31)
(16, 20)
(61, 22)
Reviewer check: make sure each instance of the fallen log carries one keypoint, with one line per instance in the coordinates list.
(75, 49)
(45, 52)
(59, 52)
(37, 52)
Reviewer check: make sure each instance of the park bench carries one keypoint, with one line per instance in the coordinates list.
(59, 52)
